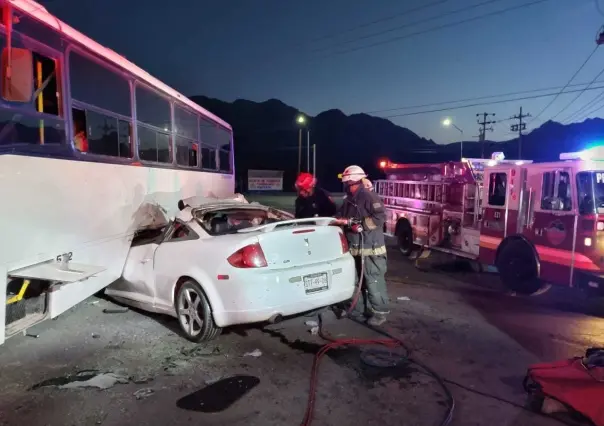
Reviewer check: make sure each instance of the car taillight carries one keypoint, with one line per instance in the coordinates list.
(250, 256)
(344, 242)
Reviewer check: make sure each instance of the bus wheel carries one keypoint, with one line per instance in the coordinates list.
(518, 268)
(404, 237)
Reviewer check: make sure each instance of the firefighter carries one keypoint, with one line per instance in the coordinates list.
(365, 208)
(312, 201)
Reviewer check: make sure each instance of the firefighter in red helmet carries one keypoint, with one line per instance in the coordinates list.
(312, 201)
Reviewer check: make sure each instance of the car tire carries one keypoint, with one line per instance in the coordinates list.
(192, 303)
(518, 268)
(404, 238)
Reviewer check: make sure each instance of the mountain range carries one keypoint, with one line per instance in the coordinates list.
(266, 137)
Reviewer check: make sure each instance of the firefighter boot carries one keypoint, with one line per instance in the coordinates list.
(377, 319)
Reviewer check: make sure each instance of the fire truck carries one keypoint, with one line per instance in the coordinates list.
(537, 223)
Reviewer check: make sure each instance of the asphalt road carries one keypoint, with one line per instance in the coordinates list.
(456, 321)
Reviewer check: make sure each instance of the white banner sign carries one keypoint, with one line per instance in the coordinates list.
(265, 180)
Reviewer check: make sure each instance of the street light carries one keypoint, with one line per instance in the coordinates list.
(301, 120)
(447, 122)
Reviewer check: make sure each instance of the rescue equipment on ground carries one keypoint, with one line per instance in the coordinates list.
(575, 383)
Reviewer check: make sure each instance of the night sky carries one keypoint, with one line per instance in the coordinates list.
(308, 53)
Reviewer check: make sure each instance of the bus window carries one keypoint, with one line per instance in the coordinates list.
(79, 129)
(223, 139)
(208, 158)
(153, 145)
(154, 116)
(224, 161)
(101, 102)
(46, 95)
(186, 127)
(31, 114)
(186, 152)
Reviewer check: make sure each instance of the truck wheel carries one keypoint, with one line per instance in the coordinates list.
(194, 313)
(404, 236)
(518, 268)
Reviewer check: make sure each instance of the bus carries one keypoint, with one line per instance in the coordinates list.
(90, 147)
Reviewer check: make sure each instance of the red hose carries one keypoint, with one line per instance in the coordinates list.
(335, 343)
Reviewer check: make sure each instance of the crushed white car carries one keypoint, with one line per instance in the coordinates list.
(224, 262)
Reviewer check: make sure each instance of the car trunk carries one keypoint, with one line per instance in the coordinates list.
(289, 246)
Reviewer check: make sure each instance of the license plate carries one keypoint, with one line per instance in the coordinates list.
(316, 282)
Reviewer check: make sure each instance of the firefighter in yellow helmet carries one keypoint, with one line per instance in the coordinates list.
(365, 207)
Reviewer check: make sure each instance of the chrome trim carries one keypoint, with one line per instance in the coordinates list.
(572, 259)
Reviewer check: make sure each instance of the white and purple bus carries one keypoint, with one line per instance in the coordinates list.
(88, 141)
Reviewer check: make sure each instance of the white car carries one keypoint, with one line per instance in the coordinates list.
(226, 262)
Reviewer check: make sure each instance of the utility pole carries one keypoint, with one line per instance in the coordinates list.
(482, 131)
(519, 128)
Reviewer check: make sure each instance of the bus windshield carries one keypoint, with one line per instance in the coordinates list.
(590, 189)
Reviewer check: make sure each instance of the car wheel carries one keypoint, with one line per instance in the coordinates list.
(404, 236)
(518, 268)
(194, 313)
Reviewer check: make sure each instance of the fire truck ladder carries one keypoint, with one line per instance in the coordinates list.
(419, 196)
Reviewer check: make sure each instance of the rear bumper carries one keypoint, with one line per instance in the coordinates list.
(592, 283)
(255, 296)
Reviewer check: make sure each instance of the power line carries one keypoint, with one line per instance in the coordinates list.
(477, 98)
(594, 110)
(578, 95)
(522, 98)
(584, 108)
(377, 21)
(565, 86)
(410, 24)
(440, 27)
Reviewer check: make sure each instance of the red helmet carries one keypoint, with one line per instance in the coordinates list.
(305, 181)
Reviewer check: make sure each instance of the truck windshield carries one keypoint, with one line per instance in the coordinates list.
(590, 189)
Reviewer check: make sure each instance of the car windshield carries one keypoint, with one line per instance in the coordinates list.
(231, 220)
(590, 189)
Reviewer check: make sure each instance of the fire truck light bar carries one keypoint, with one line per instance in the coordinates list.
(594, 154)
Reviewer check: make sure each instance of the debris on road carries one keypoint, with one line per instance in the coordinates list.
(35, 336)
(311, 323)
(314, 330)
(143, 393)
(115, 310)
(403, 298)
(95, 336)
(255, 353)
(85, 379)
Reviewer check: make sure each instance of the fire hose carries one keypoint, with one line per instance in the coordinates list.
(389, 341)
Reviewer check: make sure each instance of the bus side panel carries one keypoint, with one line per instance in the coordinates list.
(91, 210)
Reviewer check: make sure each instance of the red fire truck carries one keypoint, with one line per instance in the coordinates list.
(536, 222)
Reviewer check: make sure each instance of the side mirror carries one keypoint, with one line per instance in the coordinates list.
(18, 86)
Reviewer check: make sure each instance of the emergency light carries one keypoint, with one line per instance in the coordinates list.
(594, 154)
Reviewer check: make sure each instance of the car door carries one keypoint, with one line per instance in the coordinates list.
(138, 280)
(173, 259)
(551, 223)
